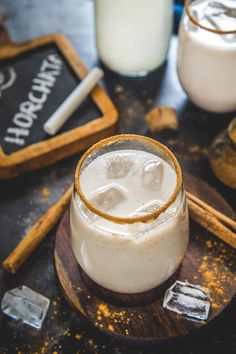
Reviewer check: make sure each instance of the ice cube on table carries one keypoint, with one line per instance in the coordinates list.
(118, 166)
(187, 299)
(107, 198)
(25, 305)
(152, 175)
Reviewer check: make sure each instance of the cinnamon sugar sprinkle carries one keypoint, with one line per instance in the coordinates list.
(45, 192)
(115, 317)
(216, 272)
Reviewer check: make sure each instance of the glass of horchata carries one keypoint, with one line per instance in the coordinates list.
(207, 54)
(129, 219)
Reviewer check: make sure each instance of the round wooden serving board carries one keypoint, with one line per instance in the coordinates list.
(141, 318)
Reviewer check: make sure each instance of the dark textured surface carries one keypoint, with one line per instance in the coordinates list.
(22, 200)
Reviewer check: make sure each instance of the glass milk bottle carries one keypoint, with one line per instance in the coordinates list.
(133, 35)
(129, 218)
(207, 54)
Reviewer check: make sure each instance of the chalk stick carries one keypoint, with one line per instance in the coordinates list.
(72, 102)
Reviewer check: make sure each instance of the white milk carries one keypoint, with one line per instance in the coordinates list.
(133, 35)
(207, 61)
(136, 257)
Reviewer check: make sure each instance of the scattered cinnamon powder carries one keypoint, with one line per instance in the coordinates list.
(93, 346)
(196, 149)
(110, 327)
(45, 192)
(78, 336)
(186, 150)
(116, 317)
(44, 347)
(216, 270)
(161, 118)
(214, 306)
(209, 243)
(119, 89)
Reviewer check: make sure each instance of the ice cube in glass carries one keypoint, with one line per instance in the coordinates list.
(152, 175)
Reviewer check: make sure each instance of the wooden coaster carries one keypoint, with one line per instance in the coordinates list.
(141, 318)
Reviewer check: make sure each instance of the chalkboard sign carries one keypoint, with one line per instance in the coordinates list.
(35, 79)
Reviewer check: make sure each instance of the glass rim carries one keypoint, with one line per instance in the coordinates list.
(197, 23)
(123, 220)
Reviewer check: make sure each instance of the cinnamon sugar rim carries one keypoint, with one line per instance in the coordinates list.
(197, 23)
(120, 220)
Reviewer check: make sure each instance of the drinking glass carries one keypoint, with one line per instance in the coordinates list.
(129, 254)
(207, 54)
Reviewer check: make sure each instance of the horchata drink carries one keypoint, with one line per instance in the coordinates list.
(129, 219)
(207, 54)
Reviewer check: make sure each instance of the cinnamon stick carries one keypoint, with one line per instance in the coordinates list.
(225, 219)
(210, 222)
(37, 233)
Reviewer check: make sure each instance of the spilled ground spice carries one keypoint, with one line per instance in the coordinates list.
(115, 317)
(111, 328)
(78, 336)
(45, 192)
(119, 89)
(216, 272)
(93, 346)
(188, 150)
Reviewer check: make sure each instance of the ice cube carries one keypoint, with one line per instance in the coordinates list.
(118, 166)
(146, 209)
(89, 215)
(187, 299)
(219, 8)
(191, 290)
(25, 305)
(152, 175)
(138, 229)
(107, 198)
(191, 25)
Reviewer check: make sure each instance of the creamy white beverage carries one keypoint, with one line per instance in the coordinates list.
(133, 35)
(207, 60)
(129, 258)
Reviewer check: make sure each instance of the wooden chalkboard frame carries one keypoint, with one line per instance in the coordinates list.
(49, 151)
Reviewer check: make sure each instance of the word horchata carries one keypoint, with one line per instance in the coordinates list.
(41, 87)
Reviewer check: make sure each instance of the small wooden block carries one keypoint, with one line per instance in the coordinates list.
(141, 318)
(35, 78)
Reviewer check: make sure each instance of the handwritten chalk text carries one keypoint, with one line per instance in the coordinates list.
(41, 88)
